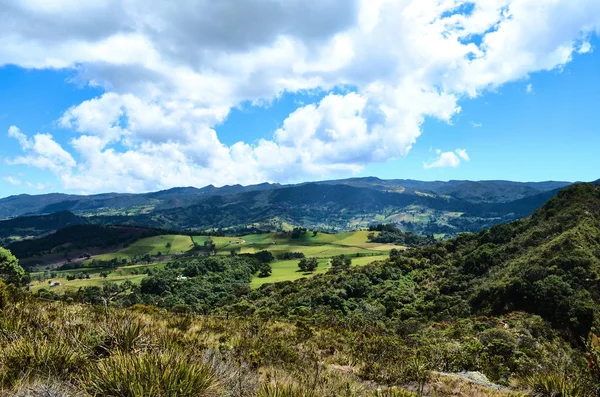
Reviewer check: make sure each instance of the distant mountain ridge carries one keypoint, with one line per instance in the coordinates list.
(24, 204)
(474, 191)
(436, 207)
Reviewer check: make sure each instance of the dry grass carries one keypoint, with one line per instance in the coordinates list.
(457, 387)
(53, 349)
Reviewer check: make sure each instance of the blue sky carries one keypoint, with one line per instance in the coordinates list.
(550, 133)
(110, 110)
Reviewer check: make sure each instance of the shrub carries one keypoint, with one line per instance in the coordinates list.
(3, 296)
(393, 393)
(553, 385)
(123, 334)
(150, 374)
(182, 323)
(280, 390)
(144, 309)
(27, 358)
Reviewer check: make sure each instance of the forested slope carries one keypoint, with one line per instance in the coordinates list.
(547, 264)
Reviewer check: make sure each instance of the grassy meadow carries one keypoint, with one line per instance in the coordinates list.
(164, 244)
(133, 273)
(288, 270)
(320, 245)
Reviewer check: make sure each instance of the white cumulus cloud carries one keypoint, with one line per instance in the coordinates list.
(448, 159)
(42, 152)
(172, 71)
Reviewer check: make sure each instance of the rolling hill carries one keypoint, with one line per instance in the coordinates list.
(75, 243)
(336, 207)
(441, 208)
(547, 264)
(35, 226)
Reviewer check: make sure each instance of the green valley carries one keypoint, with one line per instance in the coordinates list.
(299, 198)
(508, 311)
(133, 262)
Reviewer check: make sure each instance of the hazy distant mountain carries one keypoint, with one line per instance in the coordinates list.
(428, 207)
(474, 191)
(115, 203)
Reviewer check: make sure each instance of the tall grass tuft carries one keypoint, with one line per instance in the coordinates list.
(182, 323)
(125, 334)
(281, 390)
(393, 393)
(26, 358)
(166, 374)
(553, 385)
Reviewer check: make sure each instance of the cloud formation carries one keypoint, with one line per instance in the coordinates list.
(172, 73)
(448, 159)
(12, 180)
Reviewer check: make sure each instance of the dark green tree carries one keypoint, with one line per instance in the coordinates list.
(308, 264)
(10, 271)
(210, 246)
(265, 270)
(340, 263)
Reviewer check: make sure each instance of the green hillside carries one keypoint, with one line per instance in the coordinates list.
(514, 307)
(166, 244)
(74, 243)
(548, 264)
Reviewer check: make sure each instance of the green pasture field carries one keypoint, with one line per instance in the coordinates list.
(288, 270)
(152, 246)
(322, 246)
(118, 275)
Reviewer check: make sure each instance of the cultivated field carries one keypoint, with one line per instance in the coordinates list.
(288, 270)
(133, 273)
(165, 245)
(320, 245)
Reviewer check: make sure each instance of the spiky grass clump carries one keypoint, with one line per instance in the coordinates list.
(29, 358)
(394, 393)
(124, 334)
(164, 374)
(553, 385)
(281, 390)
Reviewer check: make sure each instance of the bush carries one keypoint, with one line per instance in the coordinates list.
(265, 270)
(394, 393)
(150, 374)
(3, 296)
(123, 334)
(554, 385)
(279, 390)
(26, 358)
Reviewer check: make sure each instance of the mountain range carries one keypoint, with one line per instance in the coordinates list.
(443, 208)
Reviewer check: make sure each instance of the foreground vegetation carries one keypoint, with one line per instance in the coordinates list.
(58, 349)
(516, 305)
